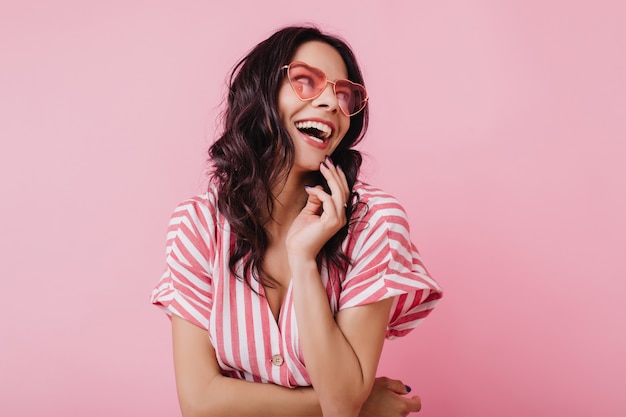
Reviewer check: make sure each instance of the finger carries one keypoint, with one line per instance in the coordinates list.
(343, 183)
(313, 202)
(413, 404)
(329, 172)
(328, 167)
(397, 386)
(322, 196)
(330, 213)
(337, 191)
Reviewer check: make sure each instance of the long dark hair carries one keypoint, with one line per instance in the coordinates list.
(254, 149)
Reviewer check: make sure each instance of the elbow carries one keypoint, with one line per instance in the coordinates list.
(347, 405)
(199, 403)
(187, 411)
(200, 409)
(196, 407)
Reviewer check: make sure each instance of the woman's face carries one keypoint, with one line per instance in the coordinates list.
(316, 126)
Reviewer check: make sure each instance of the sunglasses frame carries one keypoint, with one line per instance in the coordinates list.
(333, 83)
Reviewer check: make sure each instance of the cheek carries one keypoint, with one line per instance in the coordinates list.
(281, 102)
(345, 125)
(287, 101)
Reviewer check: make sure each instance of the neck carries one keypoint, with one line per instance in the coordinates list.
(289, 199)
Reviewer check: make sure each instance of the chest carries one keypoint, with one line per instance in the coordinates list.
(254, 330)
(275, 264)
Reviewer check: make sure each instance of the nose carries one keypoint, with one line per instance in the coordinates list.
(327, 99)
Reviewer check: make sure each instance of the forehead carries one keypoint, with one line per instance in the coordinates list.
(323, 56)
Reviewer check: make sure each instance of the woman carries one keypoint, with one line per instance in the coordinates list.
(297, 270)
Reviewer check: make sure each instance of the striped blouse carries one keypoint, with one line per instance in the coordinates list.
(249, 343)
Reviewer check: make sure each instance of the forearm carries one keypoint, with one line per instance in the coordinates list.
(333, 366)
(204, 392)
(224, 396)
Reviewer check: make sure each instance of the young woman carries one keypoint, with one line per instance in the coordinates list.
(284, 279)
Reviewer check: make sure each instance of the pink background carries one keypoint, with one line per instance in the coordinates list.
(501, 126)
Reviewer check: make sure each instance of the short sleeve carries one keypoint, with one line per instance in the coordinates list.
(385, 263)
(185, 288)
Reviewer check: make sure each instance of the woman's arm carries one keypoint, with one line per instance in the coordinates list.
(341, 356)
(342, 352)
(204, 391)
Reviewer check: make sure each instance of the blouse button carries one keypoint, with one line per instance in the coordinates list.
(277, 360)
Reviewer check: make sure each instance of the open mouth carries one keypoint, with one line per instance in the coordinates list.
(317, 131)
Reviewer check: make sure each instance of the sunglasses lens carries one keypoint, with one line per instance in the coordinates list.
(352, 97)
(309, 83)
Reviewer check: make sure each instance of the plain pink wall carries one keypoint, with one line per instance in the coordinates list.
(501, 126)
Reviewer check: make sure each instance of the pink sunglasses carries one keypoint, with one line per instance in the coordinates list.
(309, 83)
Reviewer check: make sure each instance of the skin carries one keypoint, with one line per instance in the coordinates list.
(324, 107)
(342, 352)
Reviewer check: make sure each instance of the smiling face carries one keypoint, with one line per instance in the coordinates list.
(316, 126)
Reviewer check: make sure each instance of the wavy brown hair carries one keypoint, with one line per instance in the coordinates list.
(254, 149)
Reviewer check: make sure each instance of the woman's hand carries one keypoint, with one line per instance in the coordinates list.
(322, 217)
(387, 400)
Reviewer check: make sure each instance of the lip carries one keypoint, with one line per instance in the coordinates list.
(307, 139)
(317, 119)
(319, 145)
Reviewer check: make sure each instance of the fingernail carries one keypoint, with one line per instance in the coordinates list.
(329, 159)
(408, 389)
(339, 167)
(325, 166)
(308, 186)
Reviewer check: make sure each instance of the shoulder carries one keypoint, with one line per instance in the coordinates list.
(375, 203)
(196, 217)
(379, 224)
(202, 206)
(374, 196)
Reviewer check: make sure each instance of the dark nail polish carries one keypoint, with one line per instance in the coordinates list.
(339, 167)
(328, 158)
(325, 166)
(408, 389)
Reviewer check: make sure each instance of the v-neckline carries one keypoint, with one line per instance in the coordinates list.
(281, 309)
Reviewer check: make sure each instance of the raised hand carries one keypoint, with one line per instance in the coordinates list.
(322, 217)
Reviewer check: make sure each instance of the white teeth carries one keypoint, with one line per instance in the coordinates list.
(322, 127)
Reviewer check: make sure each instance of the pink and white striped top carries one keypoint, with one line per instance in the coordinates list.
(197, 285)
